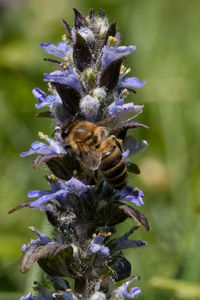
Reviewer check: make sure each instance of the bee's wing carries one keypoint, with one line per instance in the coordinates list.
(117, 120)
(91, 159)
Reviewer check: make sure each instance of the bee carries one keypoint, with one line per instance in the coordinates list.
(98, 148)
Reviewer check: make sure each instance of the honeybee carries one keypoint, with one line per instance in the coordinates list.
(98, 148)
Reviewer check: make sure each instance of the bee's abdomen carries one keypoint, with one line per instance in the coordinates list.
(113, 168)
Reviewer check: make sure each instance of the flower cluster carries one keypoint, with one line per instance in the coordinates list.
(88, 157)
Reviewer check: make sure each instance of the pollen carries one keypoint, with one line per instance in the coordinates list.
(123, 70)
(64, 37)
(61, 293)
(125, 92)
(53, 177)
(101, 234)
(42, 135)
(66, 58)
(75, 173)
(31, 228)
(70, 57)
(94, 235)
(64, 66)
(68, 290)
(112, 41)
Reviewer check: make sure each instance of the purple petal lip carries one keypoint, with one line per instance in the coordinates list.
(131, 195)
(29, 297)
(42, 240)
(130, 294)
(97, 246)
(111, 54)
(37, 193)
(131, 83)
(39, 94)
(44, 149)
(114, 109)
(45, 100)
(67, 77)
(62, 50)
(59, 192)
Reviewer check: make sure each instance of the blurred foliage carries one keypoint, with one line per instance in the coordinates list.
(167, 37)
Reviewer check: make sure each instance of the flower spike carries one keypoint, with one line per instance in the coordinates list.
(88, 164)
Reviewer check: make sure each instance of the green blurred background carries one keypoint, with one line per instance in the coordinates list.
(167, 36)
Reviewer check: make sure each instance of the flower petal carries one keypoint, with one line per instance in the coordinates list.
(131, 195)
(30, 297)
(67, 77)
(62, 49)
(54, 147)
(131, 83)
(97, 246)
(118, 106)
(132, 293)
(43, 99)
(111, 54)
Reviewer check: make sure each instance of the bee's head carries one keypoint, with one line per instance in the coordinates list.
(84, 131)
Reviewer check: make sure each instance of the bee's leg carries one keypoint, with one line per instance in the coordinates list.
(93, 179)
(96, 177)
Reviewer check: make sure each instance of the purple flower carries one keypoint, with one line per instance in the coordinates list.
(118, 105)
(62, 49)
(132, 293)
(130, 194)
(44, 295)
(130, 83)
(67, 77)
(41, 148)
(43, 239)
(59, 191)
(97, 246)
(45, 100)
(111, 54)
